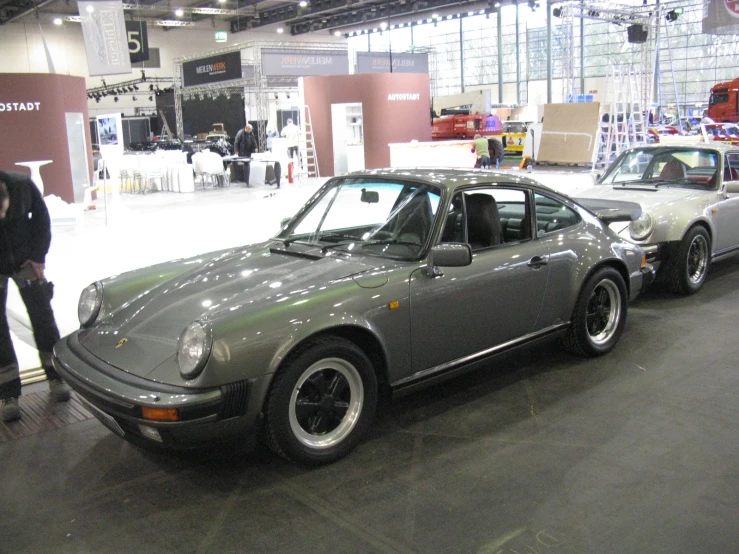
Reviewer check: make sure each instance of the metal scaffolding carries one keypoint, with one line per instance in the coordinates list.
(255, 87)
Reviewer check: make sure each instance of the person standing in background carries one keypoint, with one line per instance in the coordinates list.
(292, 133)
(245, 145)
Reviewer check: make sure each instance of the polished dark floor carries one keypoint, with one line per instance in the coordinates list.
(543, 453)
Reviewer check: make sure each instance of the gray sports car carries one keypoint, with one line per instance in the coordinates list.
(385, 280)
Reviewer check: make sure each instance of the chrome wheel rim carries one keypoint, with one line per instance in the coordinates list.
(697, 259)
(603, 312)
(326, 403)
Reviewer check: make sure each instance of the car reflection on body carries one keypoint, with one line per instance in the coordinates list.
(386, 280)
(689, 195)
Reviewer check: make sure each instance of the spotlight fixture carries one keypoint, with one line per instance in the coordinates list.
(337, 33)
(672, 15)
(97, 99)
(115, 99)
(383, 25)
(557, 12)
(280, 30)
(303, 4)
(151, 98)
(179, 12)
(134, 98)
(277, 96)
(57, 21)
(287, 95)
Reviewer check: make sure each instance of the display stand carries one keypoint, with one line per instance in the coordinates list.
(35, 168)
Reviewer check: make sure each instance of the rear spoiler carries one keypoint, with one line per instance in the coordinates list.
(611, 211)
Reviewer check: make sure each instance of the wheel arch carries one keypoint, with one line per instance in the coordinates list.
(616, 264)
(363, 338)
(701, 223)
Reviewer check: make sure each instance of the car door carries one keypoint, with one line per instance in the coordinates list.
(727, 234)
(497, 297)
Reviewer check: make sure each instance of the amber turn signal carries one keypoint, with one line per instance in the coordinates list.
(160, 414)
(643, 261)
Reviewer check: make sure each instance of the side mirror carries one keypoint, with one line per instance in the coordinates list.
(448, 255)
(285, 222)
(731, 187)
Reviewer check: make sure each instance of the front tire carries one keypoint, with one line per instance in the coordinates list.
(600, 314)
(691, 263)
(321, 402)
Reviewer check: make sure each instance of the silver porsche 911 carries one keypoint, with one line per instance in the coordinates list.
(386, 280)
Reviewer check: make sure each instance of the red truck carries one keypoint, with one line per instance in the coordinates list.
(465, 126)
(723, 106)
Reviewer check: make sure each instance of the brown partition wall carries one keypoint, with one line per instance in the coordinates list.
(396, 107)
(34, 126)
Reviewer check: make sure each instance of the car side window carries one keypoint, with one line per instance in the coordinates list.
(552, 215)
(731, 167)
(487, 218)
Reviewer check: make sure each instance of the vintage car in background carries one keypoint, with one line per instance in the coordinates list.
(721, 132)
(514, 135)
(653, 133)
(689, 195)
(385, 281)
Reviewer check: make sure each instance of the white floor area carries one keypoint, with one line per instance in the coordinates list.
(145, 229)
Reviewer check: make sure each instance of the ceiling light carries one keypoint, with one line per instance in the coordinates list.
(337, 33)
(449, 16)
(179, 12)
(435, 16)
(303, 4)
(470, 13)
(497, 4)
(90, 8)
(150, 99)
(115, 99)
(383, 25)
(57, 21)
(481, 12)
(280, 30)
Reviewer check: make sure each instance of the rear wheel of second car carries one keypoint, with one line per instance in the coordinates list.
(600, 314)
(321, 402)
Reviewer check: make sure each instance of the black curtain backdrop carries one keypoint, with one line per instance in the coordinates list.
(165, 104)
(198, 116)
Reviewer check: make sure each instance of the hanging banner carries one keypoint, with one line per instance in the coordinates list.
(138, 41)
(302, 63)
(104, 31)
(379, 62)
(224, 67)
(721, 17)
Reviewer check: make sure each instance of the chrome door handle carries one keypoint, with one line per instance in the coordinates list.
(537, 261)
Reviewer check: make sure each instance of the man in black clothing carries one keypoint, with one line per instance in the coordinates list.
(25, 236)
(245, 145)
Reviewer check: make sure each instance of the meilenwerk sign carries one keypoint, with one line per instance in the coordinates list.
(402, 62)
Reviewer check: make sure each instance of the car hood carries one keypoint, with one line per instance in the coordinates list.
(151, 325)
(647, 196)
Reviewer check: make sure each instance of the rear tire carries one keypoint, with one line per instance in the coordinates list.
(693, 258)
(321, 402)
(600, 314)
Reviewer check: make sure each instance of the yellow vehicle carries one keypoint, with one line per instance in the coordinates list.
(514, 134)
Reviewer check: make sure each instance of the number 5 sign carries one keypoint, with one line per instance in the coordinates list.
(138, 41)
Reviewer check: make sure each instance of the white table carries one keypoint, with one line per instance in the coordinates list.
(35, 168)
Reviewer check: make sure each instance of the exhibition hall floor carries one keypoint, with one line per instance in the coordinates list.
(541, 452)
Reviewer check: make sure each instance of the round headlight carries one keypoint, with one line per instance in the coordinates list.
(642, 227)
(88, 308)
(193, 349)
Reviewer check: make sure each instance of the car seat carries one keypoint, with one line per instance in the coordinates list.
(674, 169)
(483, 221)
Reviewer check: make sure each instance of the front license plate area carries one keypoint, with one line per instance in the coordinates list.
(104, 418)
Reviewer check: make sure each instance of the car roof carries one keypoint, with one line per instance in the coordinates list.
(716, 146)
(452, 178)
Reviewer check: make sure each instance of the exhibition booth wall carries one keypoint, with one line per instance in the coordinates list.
(45, 131)
(395, 107)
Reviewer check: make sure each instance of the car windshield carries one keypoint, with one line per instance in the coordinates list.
(369, 216)
(684, 167)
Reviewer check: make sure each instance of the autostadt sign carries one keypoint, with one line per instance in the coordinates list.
(20, 106)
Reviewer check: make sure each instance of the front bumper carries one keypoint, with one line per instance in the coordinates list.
(117, 398)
